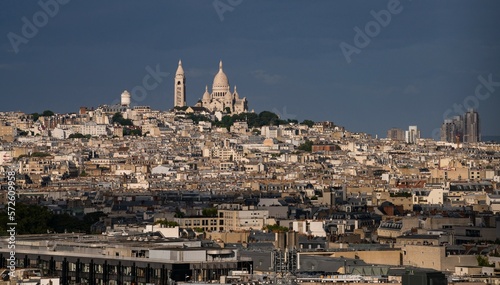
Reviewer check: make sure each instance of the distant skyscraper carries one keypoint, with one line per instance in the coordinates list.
(453, 129)
(179, 87)
(412, 135)
(396, 134)
(471, 127)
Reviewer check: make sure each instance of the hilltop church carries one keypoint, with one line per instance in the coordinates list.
(220, 99)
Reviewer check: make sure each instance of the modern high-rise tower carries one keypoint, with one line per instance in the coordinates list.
(179, 87)
(452, 130)
(412, 135)
(395, 134)
(471, 127)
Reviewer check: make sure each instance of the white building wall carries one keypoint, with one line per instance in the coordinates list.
(170, 232)
(93, 129)
(436, 197)
(255, 219)
(5, 157)
(309, 227)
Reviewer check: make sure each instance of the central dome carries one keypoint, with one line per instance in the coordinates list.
(220, 79)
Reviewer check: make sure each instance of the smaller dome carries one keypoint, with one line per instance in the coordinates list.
(206, 95)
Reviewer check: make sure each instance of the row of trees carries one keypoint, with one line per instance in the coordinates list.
(264, 118)
(46, 113)
(276, 228)
(79, 136)
(34, 219)
(35, 154)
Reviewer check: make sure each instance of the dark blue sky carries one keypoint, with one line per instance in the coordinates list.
(283, 56)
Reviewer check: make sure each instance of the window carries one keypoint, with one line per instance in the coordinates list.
(472, 233)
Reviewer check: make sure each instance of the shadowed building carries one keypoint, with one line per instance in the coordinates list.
(471, 127)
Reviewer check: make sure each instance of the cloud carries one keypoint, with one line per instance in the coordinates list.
(411, 90)
(266, 77)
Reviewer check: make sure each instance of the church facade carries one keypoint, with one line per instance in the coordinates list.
(219, 99)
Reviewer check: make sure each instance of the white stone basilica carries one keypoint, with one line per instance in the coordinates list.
(221, 98)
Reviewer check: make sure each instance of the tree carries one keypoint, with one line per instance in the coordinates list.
(65, 223)
(118, 119)
(197, 118)
(227, 122)
(251, 119)
(47, 113)
(132, 132)
(178, 213)
(30, 219)
(34, 219)
(308, 123)
(179, 108)
(35, 154)
(92, 218)
(484, 261)
(306, 146)
(21, 133)
(267, 118)
(209, 212)
(256, 132)
(76, 136)
(35, 116)
(276, 228)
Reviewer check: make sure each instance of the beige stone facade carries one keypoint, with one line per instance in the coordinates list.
(7, 133)
(221, 98)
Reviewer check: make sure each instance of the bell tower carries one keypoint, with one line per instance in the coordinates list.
(179, 87)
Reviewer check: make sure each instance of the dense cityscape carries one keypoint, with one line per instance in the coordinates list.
(126, 194)
(249, 142)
